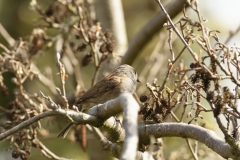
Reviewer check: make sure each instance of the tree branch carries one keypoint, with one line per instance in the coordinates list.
(148, 31)
(110, 13)
(130, 107)
(206, 136)
(77, 117)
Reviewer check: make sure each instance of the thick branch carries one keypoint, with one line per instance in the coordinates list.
(75, 116)
(110, 13)
(149, 30)
(206, 136)
(130, 124)
(130, 107)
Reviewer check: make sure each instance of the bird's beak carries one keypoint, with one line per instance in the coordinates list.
(138, 81)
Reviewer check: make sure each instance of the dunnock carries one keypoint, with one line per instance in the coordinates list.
(122, 79)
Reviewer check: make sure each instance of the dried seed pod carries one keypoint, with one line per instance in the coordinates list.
(143, 98)
(38, 38)
(164, 102)
(226, 89)
(78, 36)
(110, 47)
(26, 154)
(86, 59)
(72, 44)
(49, 12)
(219, 107)
(193, 65)
(210, 96)
(108, 33)
(82, 47)
(15, 153)
(80, 135)
(92, 38)
(103, 48)
(235, 133)
(158, 118)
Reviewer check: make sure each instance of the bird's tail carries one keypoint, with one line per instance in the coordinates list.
(65, 131)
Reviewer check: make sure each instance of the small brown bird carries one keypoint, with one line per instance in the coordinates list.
(122, 79)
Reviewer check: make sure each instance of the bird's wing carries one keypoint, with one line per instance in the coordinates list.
(102, 86)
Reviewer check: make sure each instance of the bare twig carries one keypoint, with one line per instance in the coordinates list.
(6, 36)
(75, 115)
(176, 31)
(191, 149)
(62, 75)
(49, 154)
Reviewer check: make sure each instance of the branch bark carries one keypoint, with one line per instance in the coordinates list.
(110, 13)
(75, 116)
(206, 136)
(148, 31)
(130, 107)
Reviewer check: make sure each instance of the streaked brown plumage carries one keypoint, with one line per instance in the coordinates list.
(122, 79)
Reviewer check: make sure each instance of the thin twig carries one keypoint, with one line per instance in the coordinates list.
(6, 36)
(191, 149)
(176, 31)
(62, 75)
(47, 152)
(179, 54)
(170, 45)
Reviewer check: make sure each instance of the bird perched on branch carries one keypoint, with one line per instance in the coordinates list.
(122, 79)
